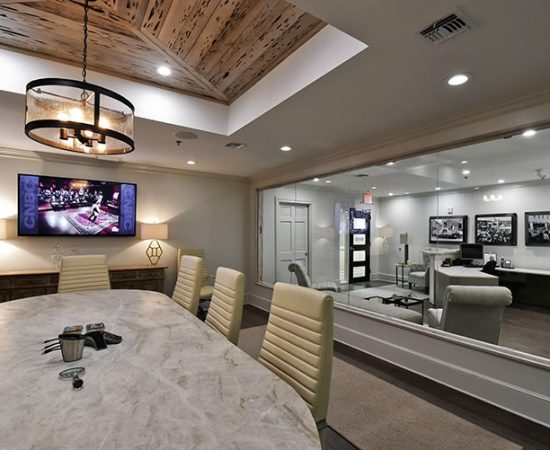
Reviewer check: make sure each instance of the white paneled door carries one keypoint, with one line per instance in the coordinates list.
(292, 238)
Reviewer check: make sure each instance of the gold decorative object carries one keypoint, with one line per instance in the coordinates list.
(155, 232)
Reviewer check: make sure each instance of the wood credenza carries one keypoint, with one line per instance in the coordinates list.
(28, 283)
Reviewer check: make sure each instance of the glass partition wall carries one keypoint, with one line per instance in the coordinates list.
(391, 239)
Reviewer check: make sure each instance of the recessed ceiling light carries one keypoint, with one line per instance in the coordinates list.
(316, 179)
(191, 162)
(465, 172)
(391, 163)
(463, 162)
(500, 181)
(391, 194)
(164, 71)
(476, 189)
(437, 188)
(407, 193)
(458, 79)
(374, 188)
(328, 181)
(286, 148)
(529, 133)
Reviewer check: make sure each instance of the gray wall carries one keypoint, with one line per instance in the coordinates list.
(411, 214)
(203, 211)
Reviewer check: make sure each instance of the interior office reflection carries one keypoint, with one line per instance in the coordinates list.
(410, 239)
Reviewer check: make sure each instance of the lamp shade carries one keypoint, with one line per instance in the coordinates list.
(3, 229)
(157, 231)
(385, 232)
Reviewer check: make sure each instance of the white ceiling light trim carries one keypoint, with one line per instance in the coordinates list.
(529, 133)
(459, 79)
(164, 71)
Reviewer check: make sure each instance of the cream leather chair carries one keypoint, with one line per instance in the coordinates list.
(186, 292)
(472, 311)
(303, 279)
(205, 289)
(83, 273)
(226, 308)
(298, 343)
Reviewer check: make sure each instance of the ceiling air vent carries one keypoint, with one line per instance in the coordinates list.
(445, 29)
(361, 175)
(235, 145)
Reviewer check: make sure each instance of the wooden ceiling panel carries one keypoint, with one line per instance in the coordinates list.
(216, 49)
(257, 38)
(303, 29)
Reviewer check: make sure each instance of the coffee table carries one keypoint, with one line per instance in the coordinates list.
(401, 300)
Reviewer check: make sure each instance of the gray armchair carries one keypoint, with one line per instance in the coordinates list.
(303, 279)
(419, 276)
(472, 311)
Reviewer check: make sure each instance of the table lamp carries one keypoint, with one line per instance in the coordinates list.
(3, 229)
(155, 232)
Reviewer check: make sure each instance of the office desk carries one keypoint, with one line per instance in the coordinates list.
(528, 286)
(460, 275)
(172, 383)
(436, 255)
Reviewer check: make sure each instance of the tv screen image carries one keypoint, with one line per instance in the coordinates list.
(55, 206)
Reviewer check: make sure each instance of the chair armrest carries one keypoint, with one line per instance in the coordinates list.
(417, 268)
(325, 286)
(434, 317)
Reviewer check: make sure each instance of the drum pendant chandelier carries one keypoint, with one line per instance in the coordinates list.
(78, 116)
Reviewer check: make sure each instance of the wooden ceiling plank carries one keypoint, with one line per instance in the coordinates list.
(175, 18)
(74, 12)
(183, 39)
(305, 28)
(245, 14)
(155, 16)
(178, 62)
(25, 28)
(228, 12)
(7, 2)
(132, 11)
(252, 44)
(167, 56)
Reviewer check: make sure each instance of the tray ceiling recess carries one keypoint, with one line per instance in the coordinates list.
(216, 49)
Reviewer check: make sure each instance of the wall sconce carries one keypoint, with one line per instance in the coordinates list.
(492, 198)
(155, 232)
(3, 229)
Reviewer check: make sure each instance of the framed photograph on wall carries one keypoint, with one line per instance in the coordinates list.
(448, 229)
(537, 228)
(496, 229)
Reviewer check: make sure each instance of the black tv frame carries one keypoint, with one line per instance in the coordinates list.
(19, 175)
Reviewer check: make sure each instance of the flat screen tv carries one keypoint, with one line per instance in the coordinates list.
(54, 206)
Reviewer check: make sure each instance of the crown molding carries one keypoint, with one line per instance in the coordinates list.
(98, 161)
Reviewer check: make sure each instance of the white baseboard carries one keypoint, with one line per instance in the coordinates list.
(257, 301)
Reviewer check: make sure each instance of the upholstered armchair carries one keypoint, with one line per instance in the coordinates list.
(303, 279)
(419, 276)
(472, 311)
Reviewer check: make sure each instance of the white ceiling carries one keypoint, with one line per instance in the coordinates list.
(513, 160)
(395, 86)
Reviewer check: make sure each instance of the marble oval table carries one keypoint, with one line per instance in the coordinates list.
(172, 383)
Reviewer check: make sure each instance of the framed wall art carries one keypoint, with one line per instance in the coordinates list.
(537, 228)
(496, 229)
(448, 229)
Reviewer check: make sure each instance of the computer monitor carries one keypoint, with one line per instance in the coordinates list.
(471, 251)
